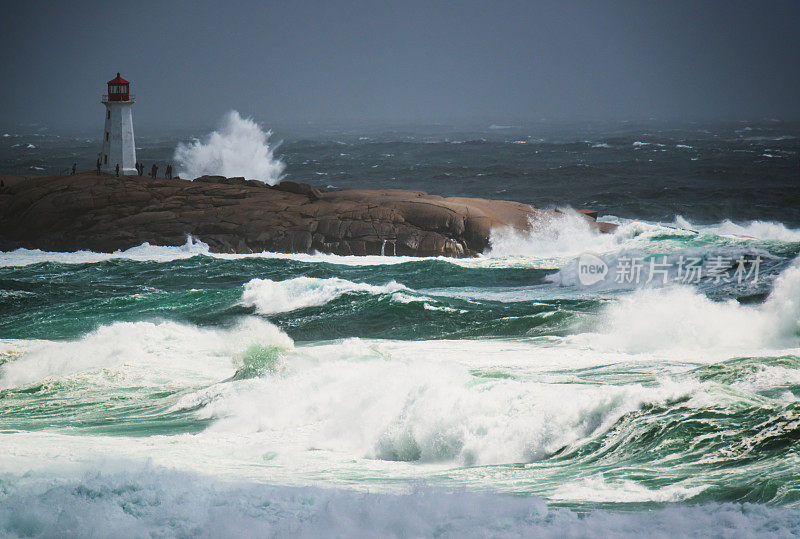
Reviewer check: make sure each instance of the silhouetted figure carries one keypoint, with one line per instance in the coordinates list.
(98, 165)
(154, 171)
(140, 169)
(74, 166)
(117, 169)
(169, 172)
(2, 184)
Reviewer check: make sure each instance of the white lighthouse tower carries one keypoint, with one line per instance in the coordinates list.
(118, 146)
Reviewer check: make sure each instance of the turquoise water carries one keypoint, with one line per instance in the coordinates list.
(318, 391)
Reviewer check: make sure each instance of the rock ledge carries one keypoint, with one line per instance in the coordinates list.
(105, 213)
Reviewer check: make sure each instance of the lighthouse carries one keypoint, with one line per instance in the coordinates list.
(118, 146)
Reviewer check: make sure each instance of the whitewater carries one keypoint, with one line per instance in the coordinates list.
(174, 391)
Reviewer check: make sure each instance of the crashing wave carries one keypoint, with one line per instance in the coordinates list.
(269, 297)
(239, 147)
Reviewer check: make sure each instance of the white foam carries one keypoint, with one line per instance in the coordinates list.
(239, 147)
(165, 353)
(143, 252)
(762, 230)
(416, 402)
(345, 412)
(566, 237)
(138, 501)
(681, 317)
(598, 489)
(769, 378)
(270, 297)
(570, 234)
(194, 247)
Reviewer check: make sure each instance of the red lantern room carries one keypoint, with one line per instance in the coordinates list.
(118, 89)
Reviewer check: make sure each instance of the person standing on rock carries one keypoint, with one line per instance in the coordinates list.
(74, 166)
(169, 172)
(140, 169)
(117, 170)
(154, 171)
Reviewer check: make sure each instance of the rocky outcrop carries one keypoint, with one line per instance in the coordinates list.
(106, 213)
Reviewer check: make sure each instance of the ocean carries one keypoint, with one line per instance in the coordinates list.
(565, 383)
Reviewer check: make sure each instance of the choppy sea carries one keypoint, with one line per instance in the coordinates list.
(171, 391)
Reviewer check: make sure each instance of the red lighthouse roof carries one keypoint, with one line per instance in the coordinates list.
(118, 80)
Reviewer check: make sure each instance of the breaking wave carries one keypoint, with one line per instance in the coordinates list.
(568, 235)
(415, 405)
(239, 147)
(564, 238)
(154, 353)
(269, 297)
(683, 317)
(761, 230)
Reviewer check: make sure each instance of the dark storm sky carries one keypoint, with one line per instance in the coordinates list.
(407, 62)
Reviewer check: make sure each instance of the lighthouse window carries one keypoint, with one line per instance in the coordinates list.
(106, 135)
(108, 115)
(105, 159)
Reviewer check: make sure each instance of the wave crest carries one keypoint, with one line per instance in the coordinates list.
(270, 297)
(681, 317)
(157, 353)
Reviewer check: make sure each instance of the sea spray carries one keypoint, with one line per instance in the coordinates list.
(567, 235)
(239, 147)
